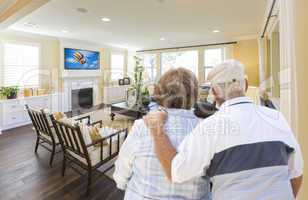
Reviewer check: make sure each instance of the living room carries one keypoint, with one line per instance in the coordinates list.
(98, 62)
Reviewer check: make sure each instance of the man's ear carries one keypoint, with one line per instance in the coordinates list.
(246, 82)
(214, 92)
(217, 97)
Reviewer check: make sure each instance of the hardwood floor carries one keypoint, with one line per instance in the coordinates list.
(26, 175)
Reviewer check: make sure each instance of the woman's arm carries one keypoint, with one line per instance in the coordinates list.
(124, 163)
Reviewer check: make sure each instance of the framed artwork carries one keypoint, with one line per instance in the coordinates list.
(121, 81)
(126, 81)
(131, 97)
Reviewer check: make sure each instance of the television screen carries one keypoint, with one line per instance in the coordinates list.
(77, 59)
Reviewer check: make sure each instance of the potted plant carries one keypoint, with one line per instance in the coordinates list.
(134, 93)
(9, 92)
(145, 96)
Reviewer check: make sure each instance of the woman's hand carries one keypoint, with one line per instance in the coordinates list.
(155, 121)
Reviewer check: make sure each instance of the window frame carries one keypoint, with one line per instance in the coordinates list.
(21, 43)
(223, 57)
(153, 76)
(111, 65)
(178, 51)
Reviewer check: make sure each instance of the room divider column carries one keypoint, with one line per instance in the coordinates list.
(301, 72)
(288, 93)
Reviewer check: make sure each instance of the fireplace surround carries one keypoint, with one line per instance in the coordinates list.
(81, 92)
(82, 98)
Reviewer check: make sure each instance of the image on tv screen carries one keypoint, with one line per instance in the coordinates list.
(77, 59)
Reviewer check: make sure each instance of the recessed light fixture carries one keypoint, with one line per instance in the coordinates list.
(82, 10)
(106, 19)
(31, 25)
(64, 31)
(216, 31)
(162, 39)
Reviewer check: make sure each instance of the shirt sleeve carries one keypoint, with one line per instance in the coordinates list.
(296, 162)
(193, 155)
(124, 163)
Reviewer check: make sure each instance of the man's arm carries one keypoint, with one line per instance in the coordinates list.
(165, 152)
(296, 184)
(190, 159)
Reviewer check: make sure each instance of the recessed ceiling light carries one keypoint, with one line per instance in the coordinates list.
(65, 31)
(216, 31)
(162, 39)
(82, 10)
(106, 19)
(31, 25)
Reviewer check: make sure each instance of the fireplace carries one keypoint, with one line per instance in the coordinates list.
(82, 98)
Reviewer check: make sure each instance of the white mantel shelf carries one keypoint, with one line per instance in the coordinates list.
(81, 74)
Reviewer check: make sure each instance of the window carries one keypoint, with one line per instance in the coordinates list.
(150, 68)
(21, 65)
(117, 66)
(186, 59)
(211, 58)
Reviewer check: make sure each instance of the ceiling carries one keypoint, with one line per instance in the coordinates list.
(139, 24)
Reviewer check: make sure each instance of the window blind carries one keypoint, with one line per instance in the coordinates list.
(117, 66)
(21, 65)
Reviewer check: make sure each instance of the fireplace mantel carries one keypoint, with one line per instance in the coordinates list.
(69, 74)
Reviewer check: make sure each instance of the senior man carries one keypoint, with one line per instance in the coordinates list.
(248, 151)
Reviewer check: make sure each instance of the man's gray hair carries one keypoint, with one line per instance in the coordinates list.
(228, 79)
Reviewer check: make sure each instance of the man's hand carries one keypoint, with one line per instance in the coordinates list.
(164, 150)
(155, 122)
(296, 185)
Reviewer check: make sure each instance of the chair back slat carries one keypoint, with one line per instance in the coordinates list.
(78, 144)
(62, 130)
(40, 122)
(40, 117)
(71, 138)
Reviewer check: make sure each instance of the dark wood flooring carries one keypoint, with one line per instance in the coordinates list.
(25, 175)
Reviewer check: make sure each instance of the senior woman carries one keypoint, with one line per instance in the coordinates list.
(137, 170)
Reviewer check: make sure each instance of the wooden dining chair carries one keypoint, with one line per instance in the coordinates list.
(45, 132)
(87, 156)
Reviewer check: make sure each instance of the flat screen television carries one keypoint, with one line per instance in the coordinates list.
(78, 59)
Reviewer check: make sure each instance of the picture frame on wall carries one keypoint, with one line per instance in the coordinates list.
(121, 81)
(126, 80)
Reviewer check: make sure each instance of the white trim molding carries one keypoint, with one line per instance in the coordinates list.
(287, 61)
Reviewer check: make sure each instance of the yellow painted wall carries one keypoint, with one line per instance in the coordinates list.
(247, 51)
(50, 60)
(301, 71)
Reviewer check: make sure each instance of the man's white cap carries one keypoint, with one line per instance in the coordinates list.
(226, 72)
